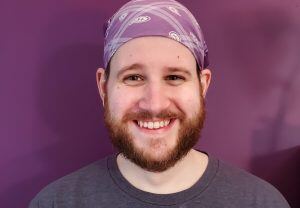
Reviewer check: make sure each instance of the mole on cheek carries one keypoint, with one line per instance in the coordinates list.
(178, 57)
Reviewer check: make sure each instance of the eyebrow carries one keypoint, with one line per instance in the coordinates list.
(136, 66)
(179, 69)
(129, 67)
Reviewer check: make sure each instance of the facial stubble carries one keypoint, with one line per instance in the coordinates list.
(123, 140)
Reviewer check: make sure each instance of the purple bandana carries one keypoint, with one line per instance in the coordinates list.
(167, 18)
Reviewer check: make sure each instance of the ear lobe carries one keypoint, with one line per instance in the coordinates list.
(101, 83)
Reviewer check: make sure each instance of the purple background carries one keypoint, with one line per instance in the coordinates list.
(51, 115)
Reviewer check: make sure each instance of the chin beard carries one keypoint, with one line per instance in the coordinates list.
(122, 139)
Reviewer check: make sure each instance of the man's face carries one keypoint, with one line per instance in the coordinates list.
(154, 108)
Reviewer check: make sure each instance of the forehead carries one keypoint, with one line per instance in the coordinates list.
(153, 52)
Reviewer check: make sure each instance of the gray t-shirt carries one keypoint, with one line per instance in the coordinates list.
(101, 184)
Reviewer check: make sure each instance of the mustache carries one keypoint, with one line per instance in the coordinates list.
(147, 115)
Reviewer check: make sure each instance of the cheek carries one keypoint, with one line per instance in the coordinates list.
(121, 100)
(188, 100)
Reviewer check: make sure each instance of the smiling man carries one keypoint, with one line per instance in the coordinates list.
(153, 87)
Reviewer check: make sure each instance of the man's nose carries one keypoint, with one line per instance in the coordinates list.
(155, 98)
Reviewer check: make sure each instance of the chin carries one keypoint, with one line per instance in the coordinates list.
(156, 149)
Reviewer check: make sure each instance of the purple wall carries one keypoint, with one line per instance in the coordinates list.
(51, 115)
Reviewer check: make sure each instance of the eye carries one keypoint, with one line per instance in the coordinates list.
(133, 79)
(175, 77)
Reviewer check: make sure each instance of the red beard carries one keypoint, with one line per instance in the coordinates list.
(122, 139)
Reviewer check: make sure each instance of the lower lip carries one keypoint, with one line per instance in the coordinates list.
(156, 131)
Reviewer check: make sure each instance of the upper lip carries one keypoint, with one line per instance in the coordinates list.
(155, 120)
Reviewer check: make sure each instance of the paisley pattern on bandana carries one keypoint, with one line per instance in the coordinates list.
(167, 18)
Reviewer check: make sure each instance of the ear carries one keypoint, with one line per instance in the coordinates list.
(101, 83)
(205, 78)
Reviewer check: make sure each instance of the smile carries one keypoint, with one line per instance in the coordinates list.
(153, 124)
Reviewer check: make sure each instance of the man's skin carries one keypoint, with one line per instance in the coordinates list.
(162, 76)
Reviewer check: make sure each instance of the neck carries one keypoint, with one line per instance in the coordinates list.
(183, 175)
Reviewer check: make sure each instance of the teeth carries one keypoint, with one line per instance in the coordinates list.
(161, 124)
(150, 125)
(156, 125)
(167, 122)
(145, 125)
(153, 125)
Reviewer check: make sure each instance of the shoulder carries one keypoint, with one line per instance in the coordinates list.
(88, 180)
(243, 186)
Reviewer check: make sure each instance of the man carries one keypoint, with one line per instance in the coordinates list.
(153, 89)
